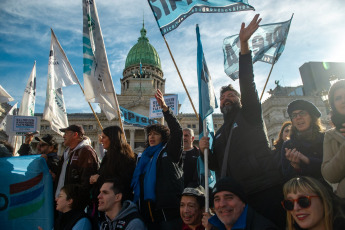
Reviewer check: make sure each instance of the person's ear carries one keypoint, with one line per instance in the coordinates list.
(118, 197)
(70, 202)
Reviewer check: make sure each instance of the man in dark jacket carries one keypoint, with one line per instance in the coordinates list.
(78, 162)
(189, 159)
(241, 147)
(46, 146)
(232, 210)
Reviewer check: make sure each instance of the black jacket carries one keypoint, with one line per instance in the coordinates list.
(313, 149)
(189, 164)
(169, 181)
(250, 160)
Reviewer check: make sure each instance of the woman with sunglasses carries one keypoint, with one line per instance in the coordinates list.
(302, 154)
(334, 144)
(310, 205)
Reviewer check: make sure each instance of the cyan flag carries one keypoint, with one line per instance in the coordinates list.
(135, 119)
(267, 44)
(170, 14)
(26, 193)
(207, 104)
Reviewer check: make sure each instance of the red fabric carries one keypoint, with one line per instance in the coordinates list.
(186, 227)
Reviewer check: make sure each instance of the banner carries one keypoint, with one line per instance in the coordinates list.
(60, 74)
(98, 84)
(156, 110)
(4, 96)
(170, 14)
(26, 193)
(207, 104)
(135, 119)
(267, 44)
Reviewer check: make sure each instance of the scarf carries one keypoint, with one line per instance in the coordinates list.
(338, 120)
(146, 165)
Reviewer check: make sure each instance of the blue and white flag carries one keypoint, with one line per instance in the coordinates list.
(170, 14)
(267, 44)
(135, 119)
(98, 83)
(207, 104)
(26, 193)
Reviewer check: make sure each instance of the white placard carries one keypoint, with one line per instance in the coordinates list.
(156, 110)
(20, 125)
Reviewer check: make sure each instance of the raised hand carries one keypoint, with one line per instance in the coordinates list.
(160, 99)
(247, 32)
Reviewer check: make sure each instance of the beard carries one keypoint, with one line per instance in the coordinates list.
(227, 109)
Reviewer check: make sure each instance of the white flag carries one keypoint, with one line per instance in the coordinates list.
(27, 105)
(60, 74)
(98, 84)
(4, 96)
(4, 121)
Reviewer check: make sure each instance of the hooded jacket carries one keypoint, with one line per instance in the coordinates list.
(124, 219)
(82, 162)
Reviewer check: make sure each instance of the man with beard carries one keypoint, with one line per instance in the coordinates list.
(241, 147)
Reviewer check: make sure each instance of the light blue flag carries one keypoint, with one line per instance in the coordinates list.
(267, 44)
(207, 104)
(170, 14)
(135, 119)
(26, 193)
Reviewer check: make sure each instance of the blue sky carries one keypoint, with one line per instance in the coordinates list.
(317, 33)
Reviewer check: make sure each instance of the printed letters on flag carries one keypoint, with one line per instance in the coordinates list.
(98, 84)
(267, 44)
(170, 14)
(26, 193)
(60, 74)
(135, 119)
(4, 96)
(207, 104)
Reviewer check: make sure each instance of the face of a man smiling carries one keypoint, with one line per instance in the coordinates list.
(228, 100)
(228, 207)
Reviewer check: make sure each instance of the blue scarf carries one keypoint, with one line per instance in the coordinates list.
(147, 165)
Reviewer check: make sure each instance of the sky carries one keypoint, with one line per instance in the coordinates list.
(317, 33)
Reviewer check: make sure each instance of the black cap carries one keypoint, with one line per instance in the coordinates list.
(303, 105)
(74, 128)
(230, 185)
(47, 139)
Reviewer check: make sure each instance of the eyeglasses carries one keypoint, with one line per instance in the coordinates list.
(303, 202)
(302, 113)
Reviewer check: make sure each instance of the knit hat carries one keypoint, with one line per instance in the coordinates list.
(303, 105)
(230, 185)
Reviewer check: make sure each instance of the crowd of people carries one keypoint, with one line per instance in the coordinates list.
(300, 184)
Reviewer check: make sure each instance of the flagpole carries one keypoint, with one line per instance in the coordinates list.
(118, 111)
(172, 57)
(269, 75)
(207, 205)
(99, 123)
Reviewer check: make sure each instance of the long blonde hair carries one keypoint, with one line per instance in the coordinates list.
(327, 197)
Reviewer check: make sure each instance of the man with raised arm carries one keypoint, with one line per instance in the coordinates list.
(241, 147)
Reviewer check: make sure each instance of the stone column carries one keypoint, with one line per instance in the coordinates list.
(132, 138)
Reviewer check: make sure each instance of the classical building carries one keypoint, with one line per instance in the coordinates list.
(142, 76)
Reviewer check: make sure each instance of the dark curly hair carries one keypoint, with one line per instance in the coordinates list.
(78, 194)
(229, 88)
(161, 129)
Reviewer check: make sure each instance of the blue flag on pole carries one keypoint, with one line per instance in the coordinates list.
(26, 193)
(207, 104)
(170, 14)
(267, 44)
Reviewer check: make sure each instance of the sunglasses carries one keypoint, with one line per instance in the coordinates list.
(302, 113)
(303, 202)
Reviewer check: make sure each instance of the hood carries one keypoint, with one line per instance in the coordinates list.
(128, 207)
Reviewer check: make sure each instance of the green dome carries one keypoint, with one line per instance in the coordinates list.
(143, 52)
